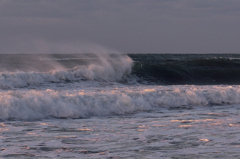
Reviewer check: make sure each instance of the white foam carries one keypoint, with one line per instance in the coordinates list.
(108, 69)
(39, 104)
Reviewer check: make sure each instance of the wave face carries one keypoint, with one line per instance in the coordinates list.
(75, 103)
(187, 68)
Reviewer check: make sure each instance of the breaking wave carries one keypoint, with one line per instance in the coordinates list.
(107, 69)
(42, 104)
(154, 69)
(80, 86)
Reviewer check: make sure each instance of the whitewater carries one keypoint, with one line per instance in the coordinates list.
(119, 106)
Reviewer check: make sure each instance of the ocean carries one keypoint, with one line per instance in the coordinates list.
(173, 106)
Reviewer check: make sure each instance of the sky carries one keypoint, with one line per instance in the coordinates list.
(128, 26)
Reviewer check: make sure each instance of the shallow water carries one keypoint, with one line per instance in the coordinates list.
(207, 132)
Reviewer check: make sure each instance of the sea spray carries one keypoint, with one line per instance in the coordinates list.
(104, 67)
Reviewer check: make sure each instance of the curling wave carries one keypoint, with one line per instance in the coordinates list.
(201, 69)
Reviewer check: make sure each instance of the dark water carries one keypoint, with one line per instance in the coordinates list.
(187, 68)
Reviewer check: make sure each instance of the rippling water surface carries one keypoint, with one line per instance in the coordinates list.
(119, 106)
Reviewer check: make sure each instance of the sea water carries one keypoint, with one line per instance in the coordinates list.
(120, 106)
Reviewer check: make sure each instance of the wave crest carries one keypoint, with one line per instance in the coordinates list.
(107, 69)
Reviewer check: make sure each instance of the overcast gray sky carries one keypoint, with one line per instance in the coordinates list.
(129, 26)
